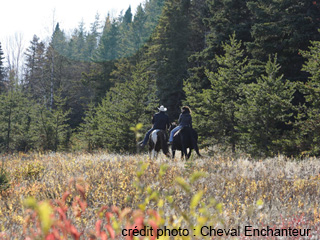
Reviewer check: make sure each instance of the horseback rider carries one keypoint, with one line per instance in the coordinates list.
(160, 121)
(185, 120)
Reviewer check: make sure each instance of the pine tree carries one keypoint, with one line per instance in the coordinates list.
(16, 119)
(308, 124)
(52, 126)
(134, 33)
(77, 44)
(282, 28)
(168, 54)
(220, 19)
(104, 58)
(92, 38)
(153, 10)
(57, 64)
(87, 132)
(124, 106)
(266, 111)
(34, 79)
(2, 71)
(108, 48)
(216, 108)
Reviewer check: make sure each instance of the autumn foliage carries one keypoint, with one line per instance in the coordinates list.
(103, 196)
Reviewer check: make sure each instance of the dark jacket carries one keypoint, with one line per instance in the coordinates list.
(185, 120)
(160, 121)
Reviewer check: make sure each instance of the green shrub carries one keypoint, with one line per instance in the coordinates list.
(4, 179)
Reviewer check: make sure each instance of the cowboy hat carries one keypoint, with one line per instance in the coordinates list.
(162, 108)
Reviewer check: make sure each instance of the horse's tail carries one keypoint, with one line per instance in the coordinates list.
(194, 139)
(196, 148)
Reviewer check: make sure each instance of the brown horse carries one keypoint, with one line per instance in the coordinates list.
(157, 141)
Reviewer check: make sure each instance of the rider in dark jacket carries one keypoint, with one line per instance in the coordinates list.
(160, 121)
(185, 120)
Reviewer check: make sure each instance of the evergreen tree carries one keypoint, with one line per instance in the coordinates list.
(77, 44)
(92, 38)
(125, 105)
(265, 111)
(216, 108)
(108, 48)
(2, 71)
(153, 10)
(104, 57)
(51, 126)
(134, 34)
(57, 64)
(282, 28)
(168, 54)
(34, 78)
(220, 19)
(127, 18)
(308, 124)
(87, 131)
(16, 119)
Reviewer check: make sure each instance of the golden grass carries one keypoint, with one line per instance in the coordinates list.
(269, 192)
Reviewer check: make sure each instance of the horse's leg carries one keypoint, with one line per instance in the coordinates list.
(195, 146)
(184, 151)
(189, 154)
(164, 146)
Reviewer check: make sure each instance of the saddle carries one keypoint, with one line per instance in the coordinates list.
(177, 132)
(165, 133)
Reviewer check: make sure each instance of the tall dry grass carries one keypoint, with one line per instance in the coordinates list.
(274, 192)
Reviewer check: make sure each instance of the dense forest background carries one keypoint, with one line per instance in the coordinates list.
(249, 70)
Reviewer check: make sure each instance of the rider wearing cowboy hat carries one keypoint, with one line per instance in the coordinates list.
(160, 121)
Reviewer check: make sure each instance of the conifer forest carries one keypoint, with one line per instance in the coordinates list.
(248, 69)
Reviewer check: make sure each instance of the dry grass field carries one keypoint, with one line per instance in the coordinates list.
(218, 192)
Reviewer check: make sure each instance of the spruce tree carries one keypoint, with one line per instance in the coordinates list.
(282, 28)
(16, 119)
(220, 19)
(92, 38)
(216, 108)
(108, 48)
(57, 65)
(124, 106)
(87, 132)
(52, 125)
(266, 111)
(35, 83)
(168, 54)
(308, 125)
(2, 71)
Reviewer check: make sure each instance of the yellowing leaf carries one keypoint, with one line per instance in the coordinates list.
(30, 202)
(183, 184)
(160, 203)
(195, 176)
(196, 199)
(139, 126)
(45, 211)
(219, 207)
(259, 202)
(163, 169)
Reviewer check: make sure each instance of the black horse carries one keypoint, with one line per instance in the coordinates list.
(157, 141)
(185, 138)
